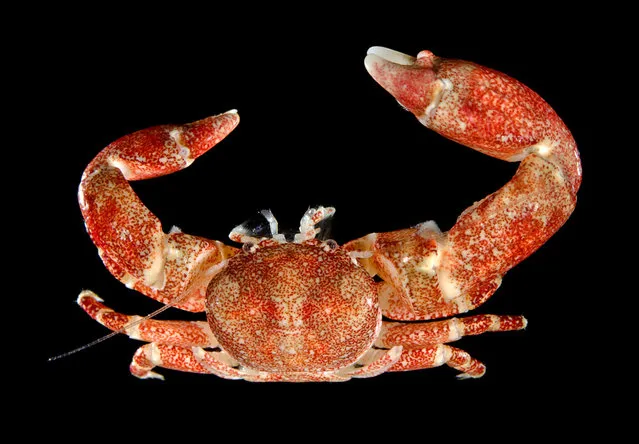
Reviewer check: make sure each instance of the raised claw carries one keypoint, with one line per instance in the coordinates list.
(490, 112)
(129, 237)
(164, 149)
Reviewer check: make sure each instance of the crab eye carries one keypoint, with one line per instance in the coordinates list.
(330, 243)
(257, 226)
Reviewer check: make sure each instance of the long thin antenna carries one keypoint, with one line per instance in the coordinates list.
(122, 330)
(89, 345)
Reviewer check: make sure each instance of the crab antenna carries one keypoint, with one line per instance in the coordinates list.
(122, 330)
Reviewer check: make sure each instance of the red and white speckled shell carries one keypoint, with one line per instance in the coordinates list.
(294, 308)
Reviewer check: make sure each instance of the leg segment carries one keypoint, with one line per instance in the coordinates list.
(412, 336)
(408, 261)
(186, 359)
(181, 333)
(374, 362)
(436, 355)
(129, 237)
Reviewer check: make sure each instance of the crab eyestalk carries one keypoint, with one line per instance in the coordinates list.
(411, 80)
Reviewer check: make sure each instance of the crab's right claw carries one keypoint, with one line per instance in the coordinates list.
(129, 237)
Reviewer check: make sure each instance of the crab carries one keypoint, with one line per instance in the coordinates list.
(304, 309)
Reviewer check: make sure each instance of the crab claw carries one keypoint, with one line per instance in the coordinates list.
(411, 80)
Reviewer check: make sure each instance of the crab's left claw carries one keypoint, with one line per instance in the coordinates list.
(411, 80)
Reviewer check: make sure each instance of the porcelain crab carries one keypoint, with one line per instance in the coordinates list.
(302, 309)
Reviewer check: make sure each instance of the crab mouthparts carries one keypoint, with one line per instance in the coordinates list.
(254, 232)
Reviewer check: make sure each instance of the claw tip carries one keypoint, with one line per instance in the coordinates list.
(152, 375)
(374, 49)
(391, 55)
(90, 294)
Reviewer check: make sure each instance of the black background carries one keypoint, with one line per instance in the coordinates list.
(315, 130)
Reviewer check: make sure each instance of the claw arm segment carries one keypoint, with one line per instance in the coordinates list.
(190, 263)
(409, 263)
(129, 237)
(501, 230)
(121, 226)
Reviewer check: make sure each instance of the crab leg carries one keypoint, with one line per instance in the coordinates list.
(434, 274)
(182, 333)
(412, 336)
(436, 355)
(129, 237)
(198, 360)
(175, 345)
(186, 359)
